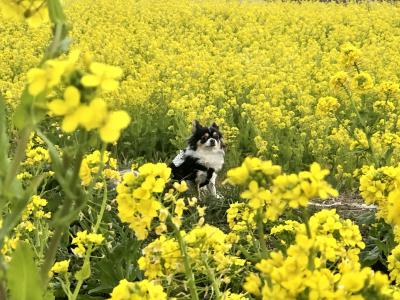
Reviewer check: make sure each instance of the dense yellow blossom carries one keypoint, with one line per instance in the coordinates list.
(162, 257)
(90, 168)
(375, 187)
(362, 81)
(327, 105)
(34, 210)
(240, 217)
(137, 202)
(229, 64)
(272, 192)
(307, 266)
(60, 267)
(83, 239)
(139, 290)
(350, 54)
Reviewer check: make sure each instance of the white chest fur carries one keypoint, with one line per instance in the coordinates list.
(211, 159)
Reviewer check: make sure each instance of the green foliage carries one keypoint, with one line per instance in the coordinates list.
(23, 277)
(379, 241)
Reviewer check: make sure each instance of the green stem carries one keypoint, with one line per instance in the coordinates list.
(18, 156)
(361, 121)
(351, 134)
(214, 281)
(101, 168)
(86, 263)
(306, 216)
(186, 262)
(385, 112)
(247, 255)
(261, 234)
(57, 17)
(3, 287)
(102, 209)
(52, 250)
(357, 67)
(61, 227)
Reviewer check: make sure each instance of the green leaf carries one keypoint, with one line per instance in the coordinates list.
(23, 277)
(49, 295)
(22, 115)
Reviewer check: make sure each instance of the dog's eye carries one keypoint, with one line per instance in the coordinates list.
(215, 135)
(205, 137)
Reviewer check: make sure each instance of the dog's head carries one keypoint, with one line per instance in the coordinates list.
(206, 138)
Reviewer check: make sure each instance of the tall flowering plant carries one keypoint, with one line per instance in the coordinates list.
(62, 88)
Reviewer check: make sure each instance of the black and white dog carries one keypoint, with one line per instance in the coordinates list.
(202, 159)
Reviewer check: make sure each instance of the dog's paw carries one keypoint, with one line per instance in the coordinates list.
(219, 196)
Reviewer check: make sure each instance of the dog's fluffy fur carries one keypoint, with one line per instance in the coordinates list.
(202, 159)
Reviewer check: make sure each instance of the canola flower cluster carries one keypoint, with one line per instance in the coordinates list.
(139, 290)
(83, 239)
(306, 267)
(319, 257)
(34, 209)
(37, 160)
(382, 187)
(79, 89)
(32, 217)
(36, 152)
(60, 267)
(267, 188)
(162, 258)
(137, 198)
(90, 168)
(357, 96)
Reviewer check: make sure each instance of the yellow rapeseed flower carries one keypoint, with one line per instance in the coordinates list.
(145, 290)
(102, 76)
(68, 107)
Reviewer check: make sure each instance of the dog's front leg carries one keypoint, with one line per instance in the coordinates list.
(211, 185)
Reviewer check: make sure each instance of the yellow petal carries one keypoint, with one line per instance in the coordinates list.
(34, 73)
(99, 107)
(37, 86)
(71, 62)
(86, 117)
(97, 68)
(98, 104)
(90, 80)
(72, 96)
(70, 122)
(118, 119)
(109, 84)
(57, 107)
(109, 134)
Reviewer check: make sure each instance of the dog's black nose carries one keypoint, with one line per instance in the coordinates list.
(212, 142)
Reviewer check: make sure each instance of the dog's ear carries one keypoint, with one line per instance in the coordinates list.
(195, 126)
(214, 125)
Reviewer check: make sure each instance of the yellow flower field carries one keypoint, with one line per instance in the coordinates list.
(306, 95)
(257, 69)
